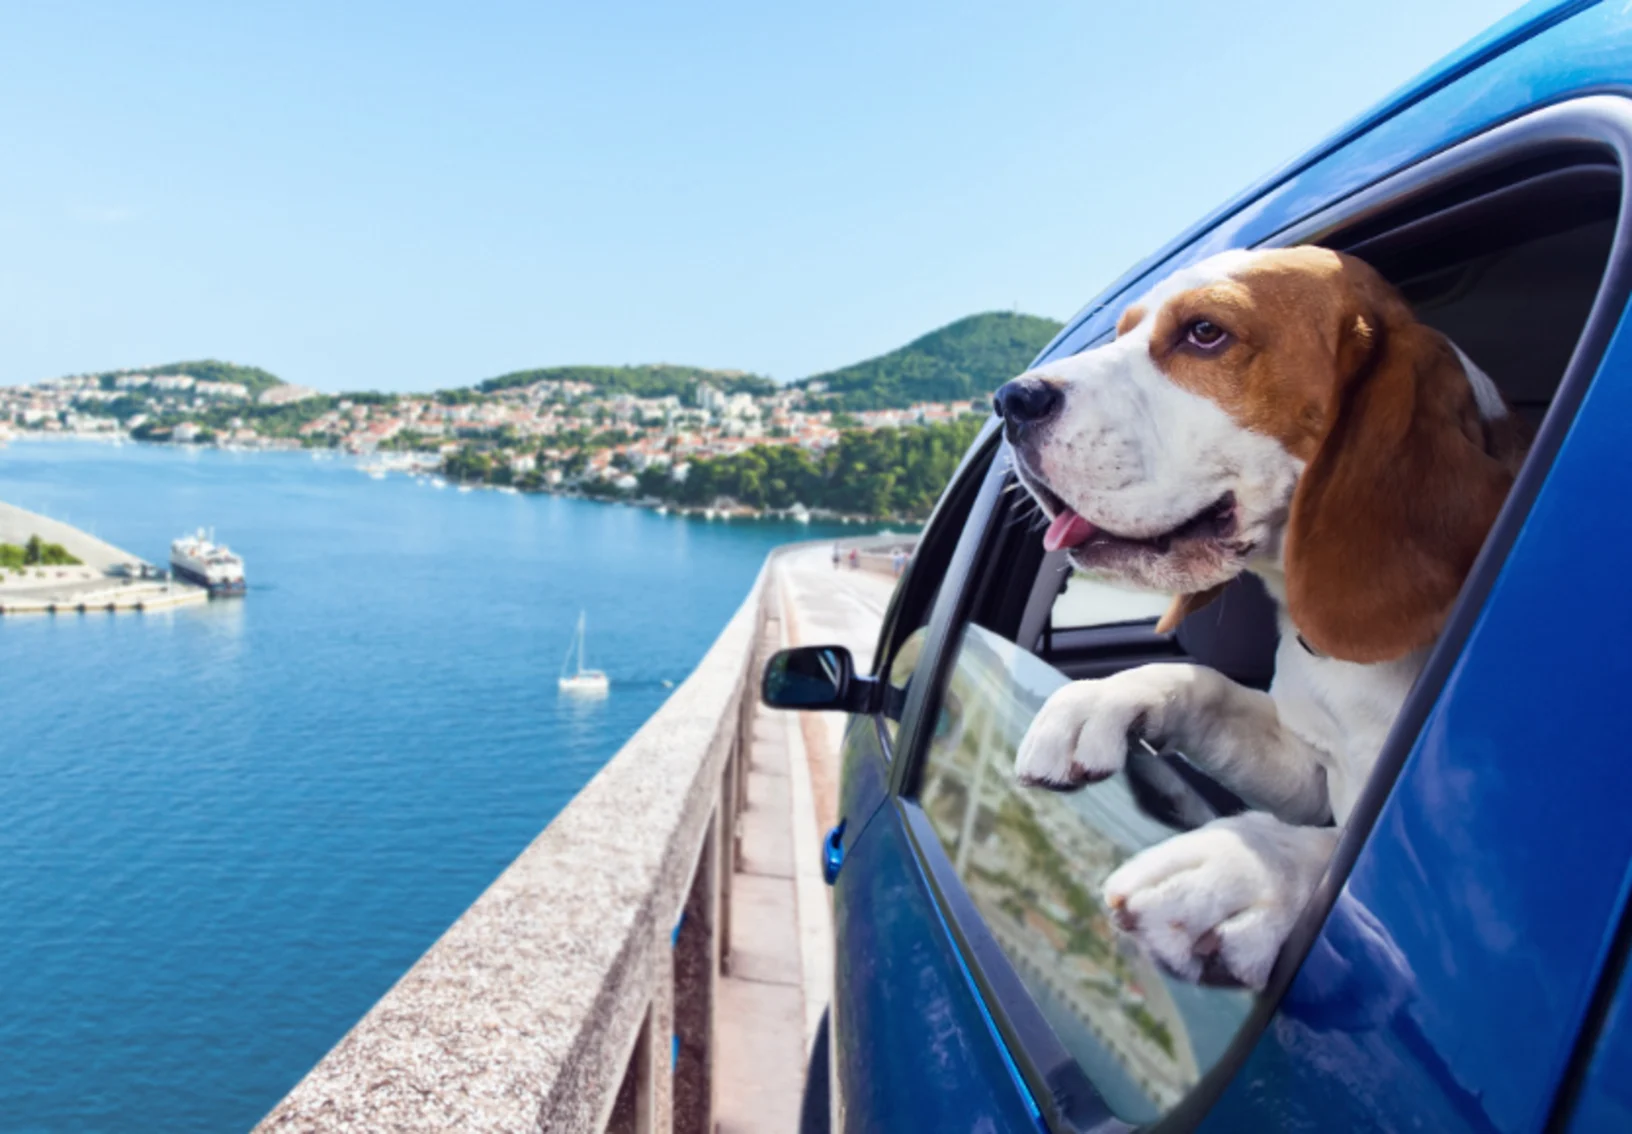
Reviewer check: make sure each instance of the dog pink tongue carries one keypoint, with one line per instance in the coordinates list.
(1068, 530)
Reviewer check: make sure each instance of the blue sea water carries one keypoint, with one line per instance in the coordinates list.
(226, 830)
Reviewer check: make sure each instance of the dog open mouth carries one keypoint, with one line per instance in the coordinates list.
(1070, 531)
(1091, 545)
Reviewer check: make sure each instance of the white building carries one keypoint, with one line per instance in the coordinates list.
(710, 398)
(285, 395)
(221, 389)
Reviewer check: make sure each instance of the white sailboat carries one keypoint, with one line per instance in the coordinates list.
(585, 682)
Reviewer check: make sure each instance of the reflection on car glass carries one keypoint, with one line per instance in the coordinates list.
(1034, 862)
(901, 667)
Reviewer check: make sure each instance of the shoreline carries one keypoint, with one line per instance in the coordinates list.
(727, 512)
(107, 578)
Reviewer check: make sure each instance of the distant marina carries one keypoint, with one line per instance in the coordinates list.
(424, 469)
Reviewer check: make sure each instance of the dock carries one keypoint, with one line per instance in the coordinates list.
(107, 578)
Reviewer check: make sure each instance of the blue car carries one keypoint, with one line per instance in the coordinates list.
(1463, 964)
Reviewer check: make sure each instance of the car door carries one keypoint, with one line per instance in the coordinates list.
(1442, 976)
(912, 1047)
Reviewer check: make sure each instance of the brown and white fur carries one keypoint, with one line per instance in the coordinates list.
(1284, 413)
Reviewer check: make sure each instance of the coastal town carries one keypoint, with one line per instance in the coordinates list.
(545, 435)
(874, 440)
(643, 430)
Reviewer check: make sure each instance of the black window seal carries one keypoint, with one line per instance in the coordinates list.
(1578, 1072)
(1134, 634)
(971, 478)
(1595, 122)
(946, 620)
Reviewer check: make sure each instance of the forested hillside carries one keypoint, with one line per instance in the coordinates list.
(205, 370)
(884, 473)
(966, 359)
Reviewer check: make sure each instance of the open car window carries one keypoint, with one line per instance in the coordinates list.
(1087, 602)
(1033, 862)
(1514, 244)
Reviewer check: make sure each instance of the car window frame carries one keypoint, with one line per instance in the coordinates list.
(949, 608)
(1598, 122)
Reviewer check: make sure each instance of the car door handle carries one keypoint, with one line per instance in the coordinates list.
(833, 853)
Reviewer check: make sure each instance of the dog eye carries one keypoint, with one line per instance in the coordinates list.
(1207, 336)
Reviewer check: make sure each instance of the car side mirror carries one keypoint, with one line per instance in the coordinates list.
(816, 677)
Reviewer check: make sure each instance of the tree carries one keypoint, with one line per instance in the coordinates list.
(885, 473)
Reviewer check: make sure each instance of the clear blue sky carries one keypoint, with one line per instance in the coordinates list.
(403, 196)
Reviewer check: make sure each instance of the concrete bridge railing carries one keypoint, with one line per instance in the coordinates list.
(578, 992)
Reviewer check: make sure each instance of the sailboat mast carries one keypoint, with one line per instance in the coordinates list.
(581, 616)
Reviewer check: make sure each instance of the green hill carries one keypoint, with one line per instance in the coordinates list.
(966, 359)
(655, 381)
(207, 370)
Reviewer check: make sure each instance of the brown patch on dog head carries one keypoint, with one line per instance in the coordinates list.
(1403, 477)
(1287, 315)
(1401, 490)
(1130, 319)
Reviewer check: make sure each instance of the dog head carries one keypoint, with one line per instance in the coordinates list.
(1271, 409)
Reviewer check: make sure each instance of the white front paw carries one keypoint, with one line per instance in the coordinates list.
(1081, 734)
(1216, 904)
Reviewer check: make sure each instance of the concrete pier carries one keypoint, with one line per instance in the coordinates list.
(96, 584)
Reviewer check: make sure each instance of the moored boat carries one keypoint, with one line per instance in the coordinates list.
(199, 559)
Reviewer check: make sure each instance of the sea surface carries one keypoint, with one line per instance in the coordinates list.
(226, 830)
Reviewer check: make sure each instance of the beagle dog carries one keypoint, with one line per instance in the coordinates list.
(1284, 413)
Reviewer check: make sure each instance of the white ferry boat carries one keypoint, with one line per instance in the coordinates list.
(199, 559)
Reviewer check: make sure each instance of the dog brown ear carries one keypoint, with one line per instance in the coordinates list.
(1398, 497)
(1183, 606)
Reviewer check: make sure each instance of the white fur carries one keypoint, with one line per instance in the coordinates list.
(1227, 893)
(1485, 394)
(1136, 454)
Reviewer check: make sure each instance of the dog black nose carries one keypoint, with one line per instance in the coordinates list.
(1025, 400)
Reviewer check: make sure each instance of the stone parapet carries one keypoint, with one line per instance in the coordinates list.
(577, 993)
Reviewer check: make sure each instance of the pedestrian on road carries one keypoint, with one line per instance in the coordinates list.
(836, 557)
(898, 560)
(855, 559)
